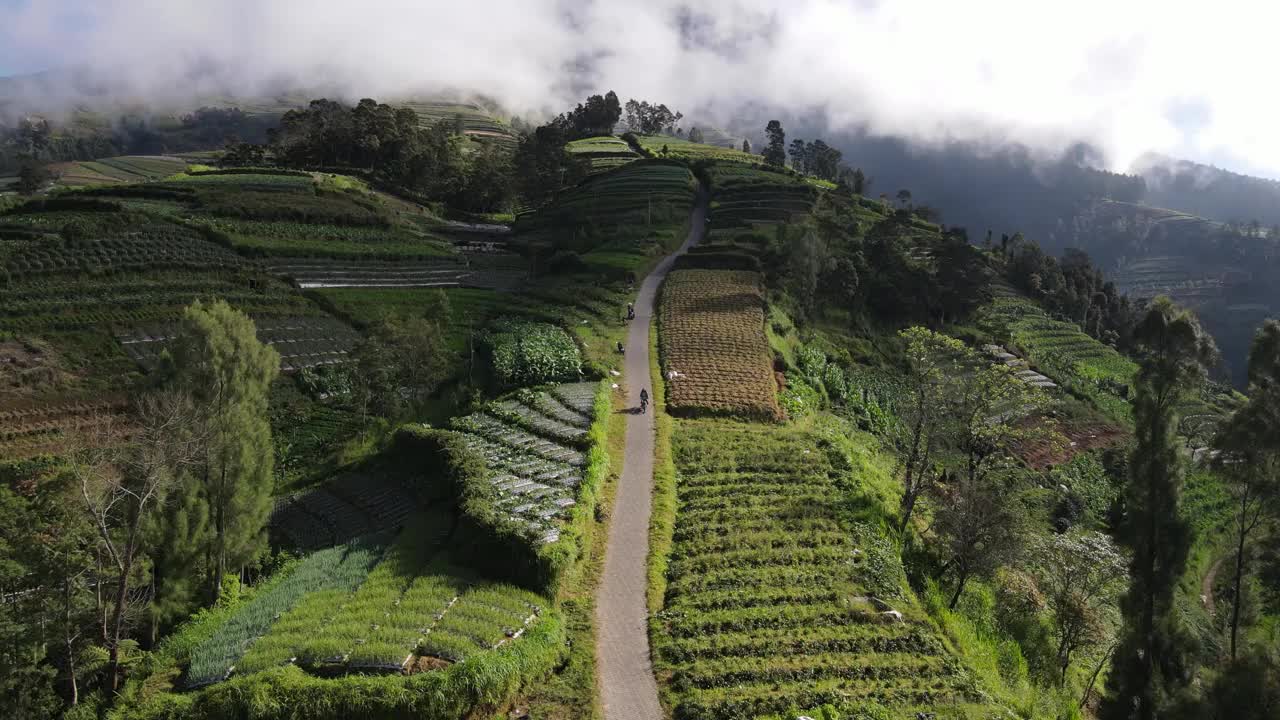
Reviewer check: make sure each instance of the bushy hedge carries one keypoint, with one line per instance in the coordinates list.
(288, 693)
(531, 353)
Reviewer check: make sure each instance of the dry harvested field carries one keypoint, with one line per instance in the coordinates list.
(711, 332)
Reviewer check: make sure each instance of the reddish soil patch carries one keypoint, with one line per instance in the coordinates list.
(1042, 454)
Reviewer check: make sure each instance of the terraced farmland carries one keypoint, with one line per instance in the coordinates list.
(37, 429)
(775, 601)
(342, 568)
(116, 170)
(497, 271)
(305, 341)
(745, 196)
(601, 153)
(711, 332)
(617, 221)
(676, 147)
(302, 240)
(1061, 350)
(1182, 279)
(477, 121)
(534, 447)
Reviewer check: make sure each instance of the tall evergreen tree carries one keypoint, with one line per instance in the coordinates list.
(775, 152)
(1151, 660)
(1250, 445)
(218, 360)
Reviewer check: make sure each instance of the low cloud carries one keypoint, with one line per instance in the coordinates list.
(1180, 78)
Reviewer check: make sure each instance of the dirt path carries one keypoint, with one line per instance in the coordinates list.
(1206, 585)
(628, 690)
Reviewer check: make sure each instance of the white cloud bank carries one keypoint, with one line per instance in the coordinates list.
(1183, 78)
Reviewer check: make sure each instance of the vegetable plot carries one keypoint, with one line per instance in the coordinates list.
(529, 353)
(534, 447)
(774, 599)
(711, 332)
(334, 570)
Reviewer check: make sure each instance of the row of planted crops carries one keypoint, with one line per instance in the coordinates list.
(775, 599)
(713, 345)
(535, 449)
(371, 605)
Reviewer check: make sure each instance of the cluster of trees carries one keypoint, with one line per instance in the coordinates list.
(138, 524)
(392, 145)
(651, 118)
(816, 158)
(1072, 288)
(1118, 600)
(892, 270)
(959, 431)
(597, 116)
(35, 140)
(541, 167)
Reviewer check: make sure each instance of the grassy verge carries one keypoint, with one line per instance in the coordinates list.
(570, 694)
(663, 518)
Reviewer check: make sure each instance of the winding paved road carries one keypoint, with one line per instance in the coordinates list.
(628, 690)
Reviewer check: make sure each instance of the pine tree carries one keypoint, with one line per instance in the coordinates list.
(218, 359)
(1151, 660)
(775, 153)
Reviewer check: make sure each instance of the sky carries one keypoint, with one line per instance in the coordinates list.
(1182, 78)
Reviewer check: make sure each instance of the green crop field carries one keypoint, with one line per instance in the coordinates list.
(125, 169)
(676, 147)
(745, 196)
(601, 153)
(775, 597)
(618, 221)
(367, 606)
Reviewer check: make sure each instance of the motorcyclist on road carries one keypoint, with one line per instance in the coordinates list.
(644, 400)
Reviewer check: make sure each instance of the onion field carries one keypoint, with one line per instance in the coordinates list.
(368, 607)
(776, 600)
(711, 332)
(533, 446)
(342, 568)
(291, 239)
(1064, 352)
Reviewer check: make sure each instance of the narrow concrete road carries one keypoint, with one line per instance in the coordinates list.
(628, 690)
